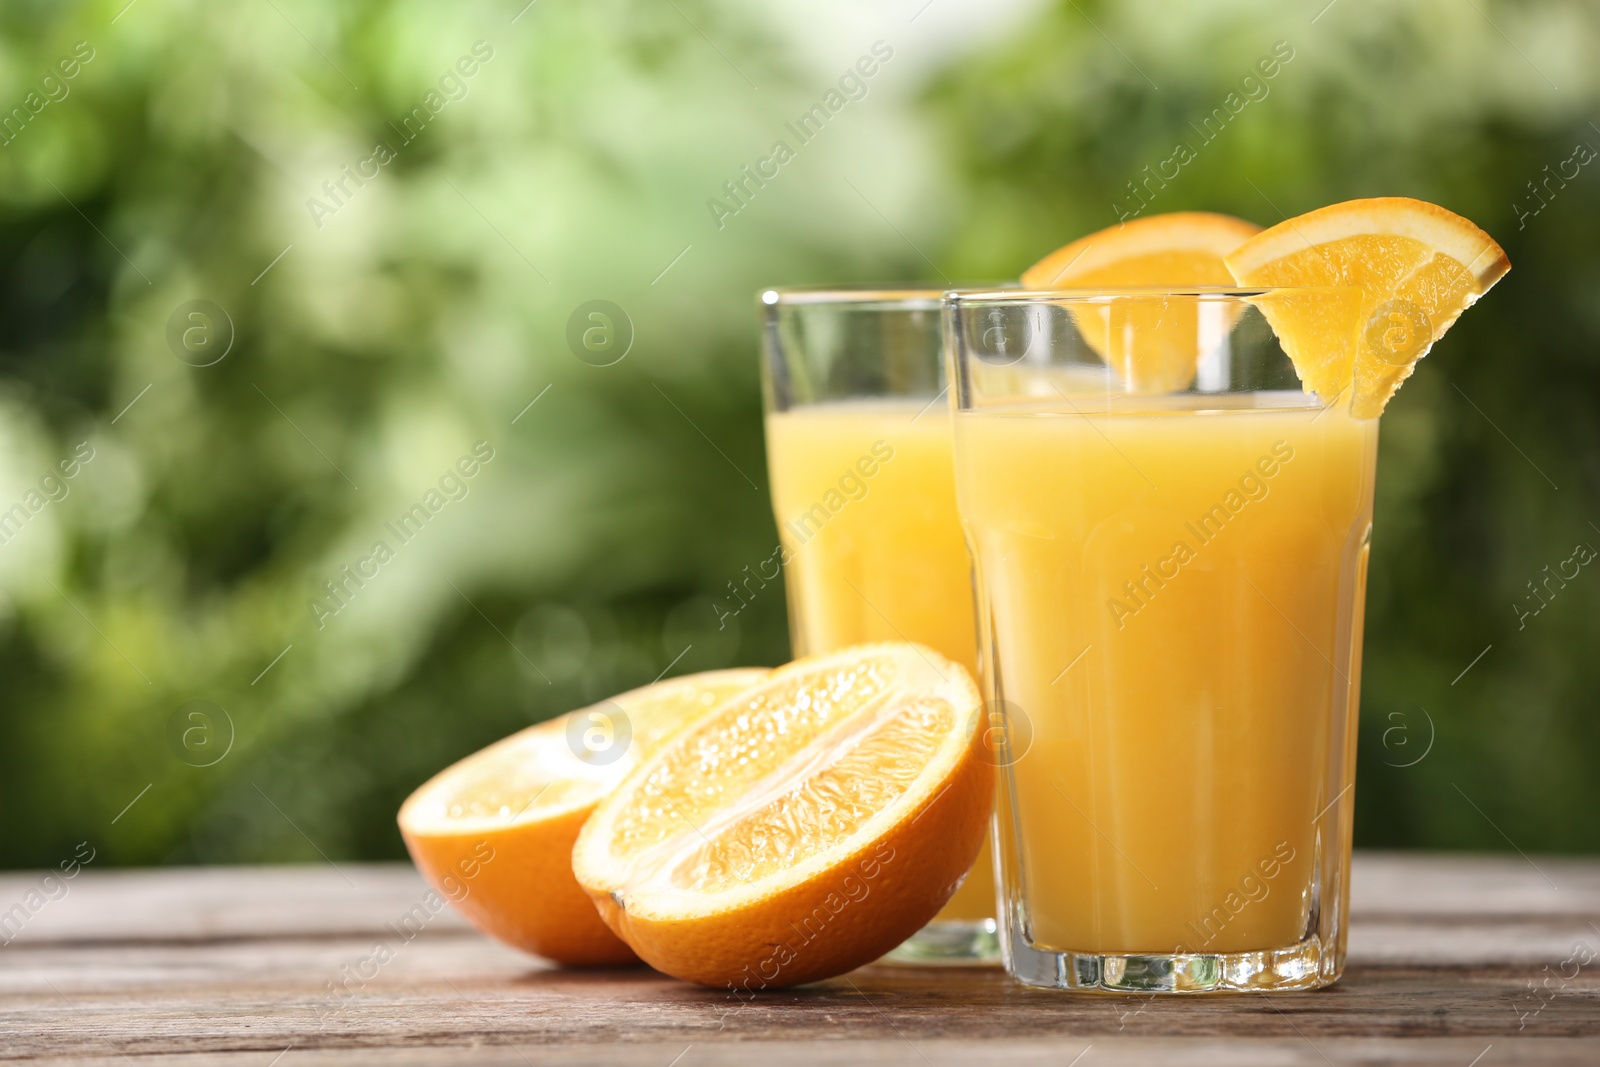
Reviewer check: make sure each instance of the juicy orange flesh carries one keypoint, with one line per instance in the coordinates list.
(1174, 268)
(821, 810)
(1152, 348)
(779, 777)
(670, 707)
(749, 741)
(510, 782)
(539, 768)
(1335, 353)
(1442, 289)
(1176, 248)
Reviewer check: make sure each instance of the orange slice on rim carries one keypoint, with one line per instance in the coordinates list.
(493, 833)
(801, 830)
(1154, 347)
(1416, 266)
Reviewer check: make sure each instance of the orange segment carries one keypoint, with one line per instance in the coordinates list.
(1179, 248)
(493, 833)
(801, 830)
(1416, 267)
(1153, 348)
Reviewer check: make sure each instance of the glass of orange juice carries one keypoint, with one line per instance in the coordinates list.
(1170, 583)
(858, 451)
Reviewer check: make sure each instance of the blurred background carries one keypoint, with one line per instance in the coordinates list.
(271, 269)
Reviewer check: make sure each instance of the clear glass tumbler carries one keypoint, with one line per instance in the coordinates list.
(858, 450)
(1170, 543)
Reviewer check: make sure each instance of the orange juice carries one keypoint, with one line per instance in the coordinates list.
(864, 495)
(1175, 588)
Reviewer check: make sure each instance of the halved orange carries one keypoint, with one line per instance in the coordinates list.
(801, 830)
(1416, 266)
(1153, 346)
(493, 833)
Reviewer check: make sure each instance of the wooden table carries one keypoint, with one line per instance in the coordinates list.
(237, 966)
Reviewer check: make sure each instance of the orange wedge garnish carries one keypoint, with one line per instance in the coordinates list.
(1153, 347)
(802, 829)
(493, 833)
(1183, 248)
(1416, 266)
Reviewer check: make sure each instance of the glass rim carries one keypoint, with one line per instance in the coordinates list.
(907, 294)
(989, 297)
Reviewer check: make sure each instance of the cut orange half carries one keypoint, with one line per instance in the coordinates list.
(493, 833)
(1154, 347)
(801, 830)
(1416, 267)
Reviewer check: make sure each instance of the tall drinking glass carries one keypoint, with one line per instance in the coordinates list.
(1170, 542)
(858, 450)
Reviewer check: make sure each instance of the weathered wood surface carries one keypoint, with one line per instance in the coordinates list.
(233, 966)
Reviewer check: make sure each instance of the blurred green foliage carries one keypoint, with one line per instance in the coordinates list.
(422, 316)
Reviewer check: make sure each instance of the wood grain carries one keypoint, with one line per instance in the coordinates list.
(236, 966)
